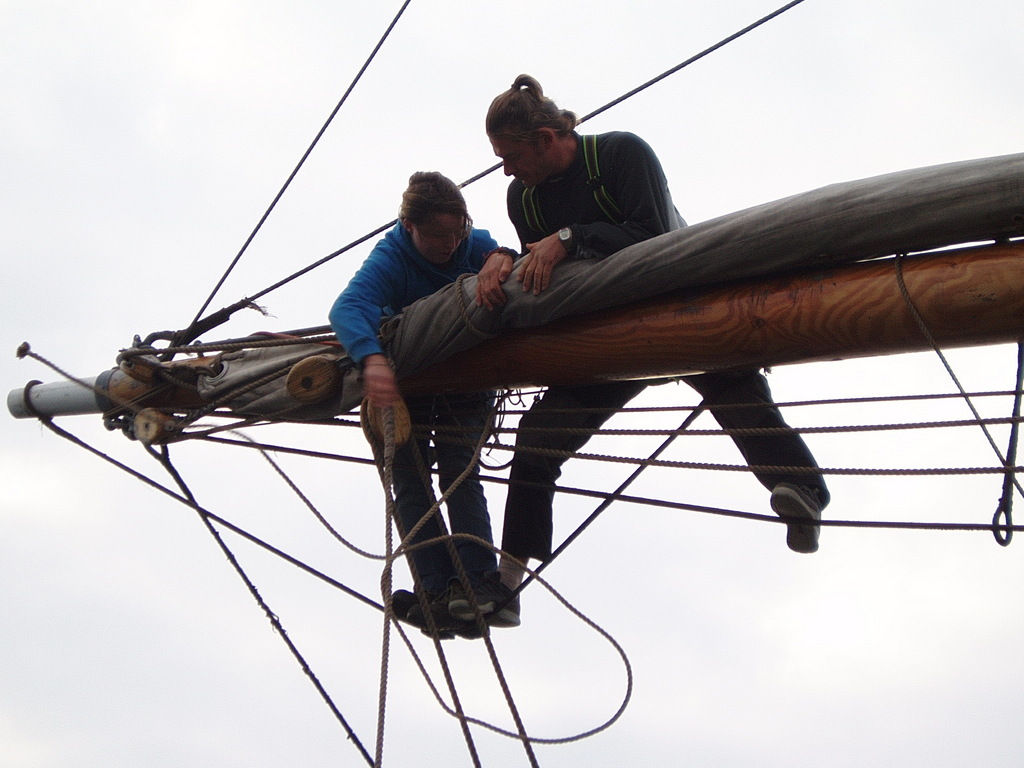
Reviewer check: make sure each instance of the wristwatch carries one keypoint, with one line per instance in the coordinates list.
(565, 235)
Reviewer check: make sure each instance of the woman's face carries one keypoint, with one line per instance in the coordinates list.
(437, 238)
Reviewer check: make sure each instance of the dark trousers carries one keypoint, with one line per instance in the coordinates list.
(453, 423)
(528, 508)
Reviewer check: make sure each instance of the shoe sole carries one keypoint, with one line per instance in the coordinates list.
(504, 619)
(790, 505)
(463, 611)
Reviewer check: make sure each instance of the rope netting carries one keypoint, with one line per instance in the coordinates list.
(493, 454)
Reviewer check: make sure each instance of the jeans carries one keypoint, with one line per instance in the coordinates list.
(529, 505)
(452, 451)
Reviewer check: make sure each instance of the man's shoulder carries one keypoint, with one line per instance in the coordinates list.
(622, 142)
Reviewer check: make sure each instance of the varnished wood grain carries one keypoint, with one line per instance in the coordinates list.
(966, 297)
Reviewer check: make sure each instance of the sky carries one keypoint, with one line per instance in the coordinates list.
(139, 145)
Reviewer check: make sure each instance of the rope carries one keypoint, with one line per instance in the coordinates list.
(1003, 531)
(692, 59)
(163, 457)
(221, 316)
(690, 465)
(606, 498)
(406, 547)
(763, 468)
(384, 456)
(1009, 470)
(185, 334)
(386, 593)
(188, 499)
(748, 431)
(617, 493)
(279, 340)
(316, 512)
(682, 65)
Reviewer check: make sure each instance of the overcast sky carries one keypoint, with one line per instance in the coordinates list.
(139, 145)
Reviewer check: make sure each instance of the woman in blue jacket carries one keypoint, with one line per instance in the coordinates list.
(432, 245)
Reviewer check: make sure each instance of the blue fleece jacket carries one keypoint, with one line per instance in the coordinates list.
(393, 276)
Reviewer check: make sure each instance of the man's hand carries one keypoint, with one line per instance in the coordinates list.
(539, 262)
(494, 272)
(379, 383)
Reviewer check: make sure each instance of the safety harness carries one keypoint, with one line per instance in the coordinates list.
(604, 200)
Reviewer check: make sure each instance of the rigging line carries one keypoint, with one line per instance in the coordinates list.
(301, 162)
(309, 504)
(257, 341)
(627, 696)
(909, 301)
(627, 666)
(799, 403)
(653, 81)
(221, 316)
(200, 431)
(383, 452)
(774, 519)
(748, 431)
(663, 503)
(450, 541)
(616, 494)
(671, 464)
(1003, 531)
(24, 350)
(692, 59)
(48, 423)
(164, 458)
(771, 468)
(386, 593)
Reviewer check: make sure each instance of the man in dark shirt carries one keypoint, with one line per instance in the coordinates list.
(573, 201)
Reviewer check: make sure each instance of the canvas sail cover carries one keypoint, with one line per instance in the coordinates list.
(908, 211)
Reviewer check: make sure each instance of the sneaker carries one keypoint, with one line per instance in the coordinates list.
(507, 615)
(489, 594)
(448, 627)
(799, 504)
(443, 621)
(402, 601)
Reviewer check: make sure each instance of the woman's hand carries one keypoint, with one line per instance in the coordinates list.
(379, 383)
(494, 272)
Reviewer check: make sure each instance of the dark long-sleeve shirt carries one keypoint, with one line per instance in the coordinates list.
(633, 177)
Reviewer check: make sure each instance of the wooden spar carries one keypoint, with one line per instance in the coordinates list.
(966, 297)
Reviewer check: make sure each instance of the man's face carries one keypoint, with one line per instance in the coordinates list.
(526, 161)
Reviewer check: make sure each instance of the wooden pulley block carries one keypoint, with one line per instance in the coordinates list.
(313, 379)
(153, 427)
(140, 369)
(371, 418)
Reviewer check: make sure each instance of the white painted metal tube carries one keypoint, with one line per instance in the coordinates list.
(61, 398)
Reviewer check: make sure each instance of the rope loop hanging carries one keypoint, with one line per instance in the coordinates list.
(1002, 520)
